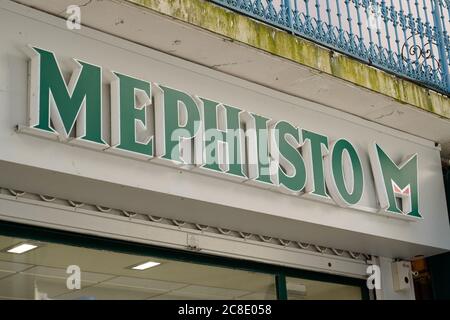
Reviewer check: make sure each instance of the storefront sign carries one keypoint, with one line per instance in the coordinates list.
(154, 122)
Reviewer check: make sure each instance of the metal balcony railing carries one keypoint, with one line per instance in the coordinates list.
(408, 38)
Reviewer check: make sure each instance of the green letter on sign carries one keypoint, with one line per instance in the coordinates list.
(313, 150)
(338, 172)
(223, 138)
(53, 100)
(395, 182)
(130, 98)
(257, 147)
(291, 171)
(177, 123)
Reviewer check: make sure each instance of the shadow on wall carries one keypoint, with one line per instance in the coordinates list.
(440, 265)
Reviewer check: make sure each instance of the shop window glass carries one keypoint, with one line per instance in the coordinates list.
(303, 289)
(41, 273)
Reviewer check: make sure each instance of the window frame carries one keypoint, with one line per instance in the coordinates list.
(39, 233)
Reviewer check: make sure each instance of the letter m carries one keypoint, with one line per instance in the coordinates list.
(396, 185)
(56, 107)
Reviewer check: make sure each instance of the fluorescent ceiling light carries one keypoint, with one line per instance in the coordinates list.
(145, 265)
(22, 248)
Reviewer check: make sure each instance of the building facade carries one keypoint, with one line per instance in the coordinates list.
(221, 150)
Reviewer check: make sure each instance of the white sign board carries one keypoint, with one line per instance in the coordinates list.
(331, 178)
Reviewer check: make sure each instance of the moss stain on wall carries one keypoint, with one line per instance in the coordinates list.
(240, 28)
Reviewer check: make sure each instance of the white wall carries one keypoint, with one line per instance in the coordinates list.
(387, 291)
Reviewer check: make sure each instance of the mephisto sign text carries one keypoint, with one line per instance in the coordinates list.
(151, 121)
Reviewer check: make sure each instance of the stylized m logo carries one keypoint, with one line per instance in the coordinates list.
(396, 185)
(56, 107)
